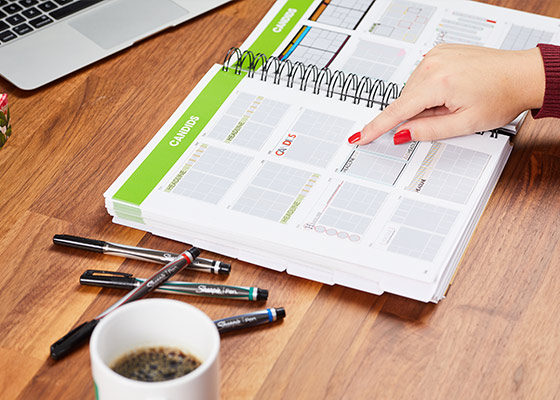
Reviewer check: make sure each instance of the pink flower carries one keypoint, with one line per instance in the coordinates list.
(3, 101)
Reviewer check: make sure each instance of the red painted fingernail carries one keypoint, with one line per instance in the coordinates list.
(402, 137)
(354, 138)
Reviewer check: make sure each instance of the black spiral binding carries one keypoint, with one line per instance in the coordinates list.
(495, 132)
(311, 77)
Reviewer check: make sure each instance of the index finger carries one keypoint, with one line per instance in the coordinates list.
(411, 103)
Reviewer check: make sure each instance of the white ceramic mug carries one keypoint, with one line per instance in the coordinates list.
(155, 323)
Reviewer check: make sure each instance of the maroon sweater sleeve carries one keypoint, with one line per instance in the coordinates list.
(551, 103)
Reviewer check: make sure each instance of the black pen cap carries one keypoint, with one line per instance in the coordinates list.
(195, 252)
(224, 269)
(81, 243)
(262, 294)
(280, 313)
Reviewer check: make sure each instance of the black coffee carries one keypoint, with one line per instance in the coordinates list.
(155, 364)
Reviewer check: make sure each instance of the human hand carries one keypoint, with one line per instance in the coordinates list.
(458, 90)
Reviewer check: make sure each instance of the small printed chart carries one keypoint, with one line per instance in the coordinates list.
(314, 138)
(523, 38)
(379, 161)
(276, 192)
(249, 121)
(208, 174)
(403, 20)
(378, 61)
(384, 146)
(342, 13)
(449, 172)
(374, 168)
(418, 229)
(315, 46)
(457, 27)
(348, 212)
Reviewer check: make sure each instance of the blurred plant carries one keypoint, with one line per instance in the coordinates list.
(5, 127)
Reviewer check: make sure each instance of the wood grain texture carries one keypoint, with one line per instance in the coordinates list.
(495, 336)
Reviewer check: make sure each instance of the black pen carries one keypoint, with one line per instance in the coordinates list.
(138, 253)
(252, 319)
(122, 280)
(78, 335)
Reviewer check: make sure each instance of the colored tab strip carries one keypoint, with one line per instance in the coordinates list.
(280, 26)
(184, 132)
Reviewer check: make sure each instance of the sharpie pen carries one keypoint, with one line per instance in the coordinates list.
(78, 335)
(122, 280)
(138, 253)
(252, 319)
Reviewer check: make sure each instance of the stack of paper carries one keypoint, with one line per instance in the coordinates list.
(263, 172)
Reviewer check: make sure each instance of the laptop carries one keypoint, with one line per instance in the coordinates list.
(43, 40)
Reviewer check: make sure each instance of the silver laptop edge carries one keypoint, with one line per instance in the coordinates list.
(62, 47)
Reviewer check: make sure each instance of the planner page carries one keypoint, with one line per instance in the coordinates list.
(255, 163)
(271, 169)
(387, 39)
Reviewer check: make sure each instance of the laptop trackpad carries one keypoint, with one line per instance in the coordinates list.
(123, 21)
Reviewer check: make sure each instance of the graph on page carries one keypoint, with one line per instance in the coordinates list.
(523, 38)
(341, 13)
(463, 28)
(418, 229)
(249, 121)
(403, 20)
(449, 172)
(376, 60)
(348, 213)
(384, 146)
(208, 174)
(276, 192)
(314, 138)
(314, 46)
(380, 161)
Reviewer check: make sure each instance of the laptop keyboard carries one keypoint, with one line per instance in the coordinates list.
(21, 17)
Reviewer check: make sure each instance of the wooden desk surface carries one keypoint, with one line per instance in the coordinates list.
(497, 334)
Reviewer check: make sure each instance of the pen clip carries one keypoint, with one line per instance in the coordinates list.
(111, 279)
(94, 273)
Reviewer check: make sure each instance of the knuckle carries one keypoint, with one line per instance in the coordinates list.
(395, 109)
(424, 132)
(432, 133)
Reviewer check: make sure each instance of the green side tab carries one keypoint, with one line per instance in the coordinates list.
(128, 212)
(183, 133)
(280, 27)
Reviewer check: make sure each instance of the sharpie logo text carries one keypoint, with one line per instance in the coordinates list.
(203, 289)
(163, 276)
(224, 324)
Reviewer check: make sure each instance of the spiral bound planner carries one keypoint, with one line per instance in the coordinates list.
(332, 84)
(255, 163)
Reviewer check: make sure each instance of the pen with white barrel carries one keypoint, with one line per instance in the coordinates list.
(138, 253)
(122, 280)
(248, 320)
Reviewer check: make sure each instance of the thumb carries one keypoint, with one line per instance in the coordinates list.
(435, 127)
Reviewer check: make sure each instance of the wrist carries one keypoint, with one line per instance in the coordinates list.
(533, 78)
